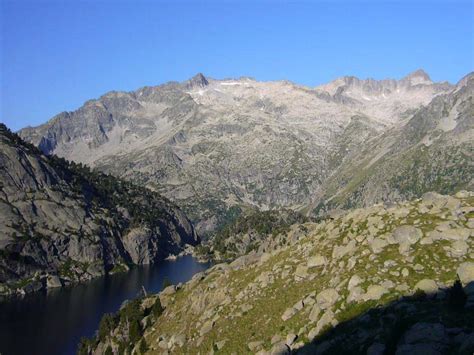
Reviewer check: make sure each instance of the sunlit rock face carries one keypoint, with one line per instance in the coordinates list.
(61, 223)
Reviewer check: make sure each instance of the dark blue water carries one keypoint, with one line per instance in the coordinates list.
(54, 322)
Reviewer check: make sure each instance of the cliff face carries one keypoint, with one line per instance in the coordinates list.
(61, 222)
(376, 280)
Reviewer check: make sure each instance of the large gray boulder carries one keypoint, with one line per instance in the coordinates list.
(405, 236)
(427, 286)
(327, 298)
(465, 272)
(374, 292)
(316, 260)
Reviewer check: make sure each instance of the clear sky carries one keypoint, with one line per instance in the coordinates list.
(57, 54)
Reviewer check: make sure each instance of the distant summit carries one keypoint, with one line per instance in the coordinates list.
(197, 81)
(418, 77)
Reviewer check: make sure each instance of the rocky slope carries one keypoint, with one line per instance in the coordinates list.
(61, 222)
(371, 281)
(432, 151)
(214, 145)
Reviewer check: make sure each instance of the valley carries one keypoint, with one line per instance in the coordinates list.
(337, 218)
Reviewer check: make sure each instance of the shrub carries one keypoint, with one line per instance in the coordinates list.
(143, 346)
(107, 325)
(85, 346)
(132, 310)
(135, 331)
(157, 309)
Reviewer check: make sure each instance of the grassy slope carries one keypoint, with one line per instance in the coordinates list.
(269, 302)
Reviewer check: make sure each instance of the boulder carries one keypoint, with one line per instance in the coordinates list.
(314, 314)
(178, 340)
(378, 244)
(289, 312)
(462, 194)
(301, 272)
(340, 251)
(167, 291)
(96, 269)
(33, 286)
(280, 349)
(433, 199)
(275, 339)
(316, 260)
(355, 294)
(265, 278)
(220, 344)
(405, 272)
(353, 282)
(407, 234)
(326, 320)
(327, 298)
(427, 286)
(465, 272)
(254, 345)
(374, 292)
(206, 327)
(290, 339)
(53, 281)
(459, 248)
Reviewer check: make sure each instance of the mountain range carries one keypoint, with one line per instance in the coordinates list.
(341, 215)
(217, 148)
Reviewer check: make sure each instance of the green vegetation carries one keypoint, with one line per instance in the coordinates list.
(157, 309)
(124, 328)
(260, 224)
(106, 325)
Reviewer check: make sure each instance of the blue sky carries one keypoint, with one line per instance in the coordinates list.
(57, 54)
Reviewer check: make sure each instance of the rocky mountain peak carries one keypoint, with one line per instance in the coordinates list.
(419, 76)
(197, 81)
(467, 80)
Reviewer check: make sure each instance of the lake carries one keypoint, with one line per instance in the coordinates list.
(53, 322)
